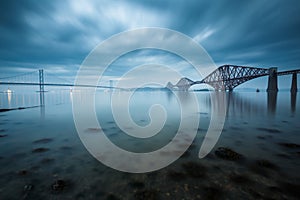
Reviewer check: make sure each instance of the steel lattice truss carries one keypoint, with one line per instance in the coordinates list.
(227, 77)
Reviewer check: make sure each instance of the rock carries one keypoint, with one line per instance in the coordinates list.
(23, 172)
(227, 154)
(40, 150)
(269, 130)
(3, 135)
(65, 148)
(43, 141)
(47, 160)
(240, 179)
(213, 192)
(146, 194)
(27, 188)
(58, 185)
(194, 169)
(291, 189)
(137, 184)
(176, 176)
(111, 197)
(94, 130)
(266, 164)
(289, 145)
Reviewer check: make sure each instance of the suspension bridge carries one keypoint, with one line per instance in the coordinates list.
(227, 77)
(38, 77)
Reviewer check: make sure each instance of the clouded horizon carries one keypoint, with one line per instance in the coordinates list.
(58, 35)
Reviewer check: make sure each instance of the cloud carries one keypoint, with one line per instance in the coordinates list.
(53, 34)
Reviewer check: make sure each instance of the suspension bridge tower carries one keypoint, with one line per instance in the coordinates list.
(41, 84)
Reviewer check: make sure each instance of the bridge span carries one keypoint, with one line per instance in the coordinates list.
(227, 77)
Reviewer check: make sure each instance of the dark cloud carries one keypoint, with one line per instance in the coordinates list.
(61, 33)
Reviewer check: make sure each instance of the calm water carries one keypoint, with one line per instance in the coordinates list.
(40, 146)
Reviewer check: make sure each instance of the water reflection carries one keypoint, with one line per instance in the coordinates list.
(238, 104)
(247, 103)
(293, 101)
(42, 98)
(9, 97)
(272, 102)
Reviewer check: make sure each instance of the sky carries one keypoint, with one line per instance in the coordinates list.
(58, 35)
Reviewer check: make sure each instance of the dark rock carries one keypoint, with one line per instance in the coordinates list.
(283, 155)
(240, 179)
(65, 148)
(259, 170)
(112, 197)
(194, 169)
(47, 160)
(43, 141)
(176, 176)
(23, 172)
(269, 130)
(266, 164)
(137, 184)
(58, 185)
(93, 130)
(227, 154)
(261, 137)
(186, 154)
(291, 189)
(27, 188)
(289, 145)
(3, 135)
(212, 193)
(146, 194)
(40, 150)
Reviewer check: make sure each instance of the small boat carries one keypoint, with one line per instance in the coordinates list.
(257, 90)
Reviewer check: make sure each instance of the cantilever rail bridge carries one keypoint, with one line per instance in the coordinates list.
(227, 77)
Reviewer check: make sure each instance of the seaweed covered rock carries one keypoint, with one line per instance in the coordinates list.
(40, 150)
(58, 185)
(194, 169)
(266, 164)
(227, 154)
(146, 194)
(289, 145)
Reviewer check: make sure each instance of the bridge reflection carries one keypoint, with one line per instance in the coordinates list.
(238, 103)
(272, 102)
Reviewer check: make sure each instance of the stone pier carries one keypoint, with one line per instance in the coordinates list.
(294, 83)
(272, 83)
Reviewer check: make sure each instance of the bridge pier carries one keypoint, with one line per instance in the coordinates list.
(272, 82)
(294, 83)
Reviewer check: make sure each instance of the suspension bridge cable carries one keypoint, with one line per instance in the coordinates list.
(54, 75)
(15, 76)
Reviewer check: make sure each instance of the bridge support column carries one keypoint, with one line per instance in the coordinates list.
(294, 83)
(41, 83)
(272, 83)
